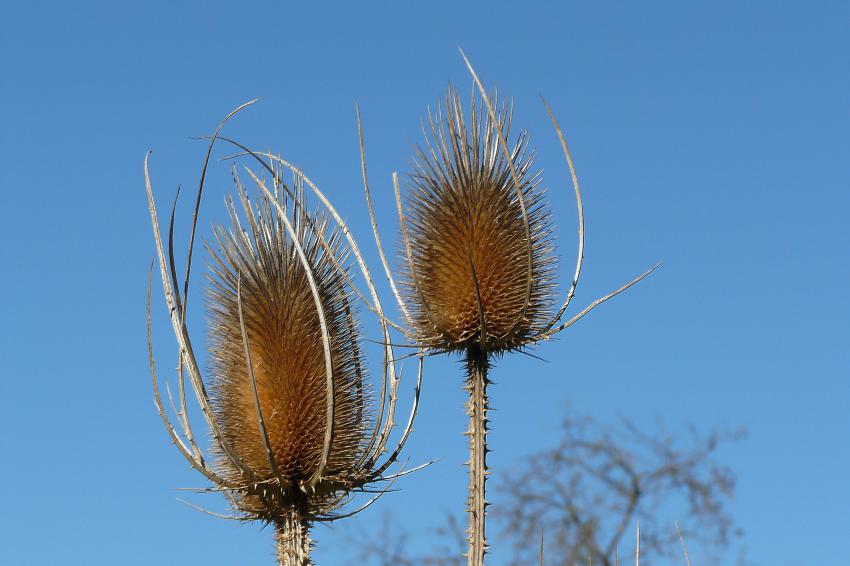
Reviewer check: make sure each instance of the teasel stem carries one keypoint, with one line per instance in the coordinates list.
(477, 366)
(293, 540)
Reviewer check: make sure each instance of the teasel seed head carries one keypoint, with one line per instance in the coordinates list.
(481, 266)
(285, 334)
(295, 434)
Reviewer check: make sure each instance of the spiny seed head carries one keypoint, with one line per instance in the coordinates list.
(257, 259)
(481, 267)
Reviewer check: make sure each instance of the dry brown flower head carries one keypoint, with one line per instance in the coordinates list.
(294, 427)
(481, 268)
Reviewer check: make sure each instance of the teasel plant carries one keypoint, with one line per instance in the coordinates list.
(479, 268)
(296, 431)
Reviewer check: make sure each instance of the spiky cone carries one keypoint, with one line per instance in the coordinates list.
(289, 407)
(480, 265)
(479, 273)
(267, 311)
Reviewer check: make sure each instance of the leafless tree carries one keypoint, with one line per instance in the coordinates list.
(392, 548)
(586, 494)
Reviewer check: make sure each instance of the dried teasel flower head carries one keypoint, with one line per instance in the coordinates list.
(290, 410)
(292, 323)
(481, 268)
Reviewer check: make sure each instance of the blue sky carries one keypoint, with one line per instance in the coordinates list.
(711, 135)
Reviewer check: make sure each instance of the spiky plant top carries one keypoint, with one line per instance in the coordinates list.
(480, 265)
(290, 412)
(258, 280)
(480, 269)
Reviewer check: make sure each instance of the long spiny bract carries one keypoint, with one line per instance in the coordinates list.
(468, 275)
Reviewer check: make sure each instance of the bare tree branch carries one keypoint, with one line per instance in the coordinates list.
(589, 490)
(587, 493)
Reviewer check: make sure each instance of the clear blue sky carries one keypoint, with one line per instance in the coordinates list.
(711, 135)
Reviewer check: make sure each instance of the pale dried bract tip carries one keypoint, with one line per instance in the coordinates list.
(479, 262)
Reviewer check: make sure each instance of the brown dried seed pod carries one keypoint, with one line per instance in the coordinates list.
(262, 298)
(481, 268)
(288, 407)
(287, 350)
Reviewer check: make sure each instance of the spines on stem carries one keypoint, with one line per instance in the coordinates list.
(477, 366)
(292, 535)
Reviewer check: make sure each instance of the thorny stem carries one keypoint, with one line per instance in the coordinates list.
(293, 540)
(477, 364)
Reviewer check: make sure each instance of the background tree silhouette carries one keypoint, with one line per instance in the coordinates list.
(585, 495)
